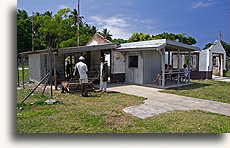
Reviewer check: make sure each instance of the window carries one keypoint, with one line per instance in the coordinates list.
(133, 61)
(214, 61)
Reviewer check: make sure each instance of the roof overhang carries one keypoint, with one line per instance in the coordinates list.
(157, 45)
(69, 50)
(46, 51)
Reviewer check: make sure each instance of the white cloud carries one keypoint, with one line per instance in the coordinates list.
(117, 25)
(123, 27)
(202, 4)
(62, 6)
(117, 21)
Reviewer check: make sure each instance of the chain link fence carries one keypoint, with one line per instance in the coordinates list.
(34, 73)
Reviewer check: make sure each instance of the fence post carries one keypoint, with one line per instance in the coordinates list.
(23, 86)
(51, 87)
(18, 81)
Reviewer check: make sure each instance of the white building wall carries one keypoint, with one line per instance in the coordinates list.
(118, 62)
(134, 75)
(205, 63)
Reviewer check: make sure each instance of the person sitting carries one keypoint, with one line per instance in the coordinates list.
(186, 72)
(158, 79)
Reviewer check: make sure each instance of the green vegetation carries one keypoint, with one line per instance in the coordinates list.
(60, 30)
(26, 75)
(103, 113)
(206, 89)
(170, 36)
(226, 74)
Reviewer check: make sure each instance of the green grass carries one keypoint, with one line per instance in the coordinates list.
(103, 113)
(226, 74)
(26, 75)
(204, 89)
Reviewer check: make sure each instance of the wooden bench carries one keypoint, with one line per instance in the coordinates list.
(74, 85)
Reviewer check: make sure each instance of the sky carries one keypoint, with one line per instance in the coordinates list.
(201, 19)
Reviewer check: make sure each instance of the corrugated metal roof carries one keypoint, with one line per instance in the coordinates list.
(144, 44)
(157, 45)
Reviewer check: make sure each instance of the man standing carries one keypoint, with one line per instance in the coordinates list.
(68, 70)
(103, 74)
(82, 70)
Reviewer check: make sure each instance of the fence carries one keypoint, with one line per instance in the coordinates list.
(34, 73)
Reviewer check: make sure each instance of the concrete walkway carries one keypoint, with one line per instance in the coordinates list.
(159, 103)
(217, 78)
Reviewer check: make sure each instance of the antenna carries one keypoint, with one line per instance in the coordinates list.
(78, 28)
(220, 35)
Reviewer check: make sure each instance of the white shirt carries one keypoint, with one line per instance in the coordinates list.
(186, 72)
(101, 67)
(82, 69)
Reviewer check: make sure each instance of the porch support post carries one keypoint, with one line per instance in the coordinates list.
(71, 63)
(169, 60)
(55, 72)
(163, 67)
(189, 65)
(178, 66)
(221, 65)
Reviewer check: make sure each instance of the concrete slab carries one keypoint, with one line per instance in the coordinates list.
(159, 103)
(217, 78)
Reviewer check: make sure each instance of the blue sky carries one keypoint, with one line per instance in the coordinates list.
(201, 19)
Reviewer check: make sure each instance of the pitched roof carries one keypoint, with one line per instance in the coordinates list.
(217, 47)
(97, 39)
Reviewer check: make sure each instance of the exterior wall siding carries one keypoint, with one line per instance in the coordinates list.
(34, 66)
(134, 75)
(152, 65)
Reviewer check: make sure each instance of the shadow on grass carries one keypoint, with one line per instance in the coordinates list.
(188, 87)
(99, 93)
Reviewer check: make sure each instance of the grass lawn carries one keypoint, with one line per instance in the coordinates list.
(204, 89)
(26, 75)
(227, 74)
(103, 113)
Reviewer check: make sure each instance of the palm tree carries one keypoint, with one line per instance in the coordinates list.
(74, 15)
(48, 13)
(22, 14)
(106, 35)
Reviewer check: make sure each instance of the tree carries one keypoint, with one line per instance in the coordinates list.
(24, 41)
(58, 30)
(226, 47)
(74, 15)
(170, 36)
(48, 13)
(208, 45)
(119, 41)
(106, 34)
(22, 14)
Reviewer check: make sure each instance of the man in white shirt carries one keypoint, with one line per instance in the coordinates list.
(82, 70)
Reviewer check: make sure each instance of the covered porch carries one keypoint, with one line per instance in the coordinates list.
(152, 62)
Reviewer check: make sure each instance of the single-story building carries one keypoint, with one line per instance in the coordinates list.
(137, 62)
(213, 59)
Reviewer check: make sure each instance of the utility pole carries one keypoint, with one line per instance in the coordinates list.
(78, 28)
(32, 31)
